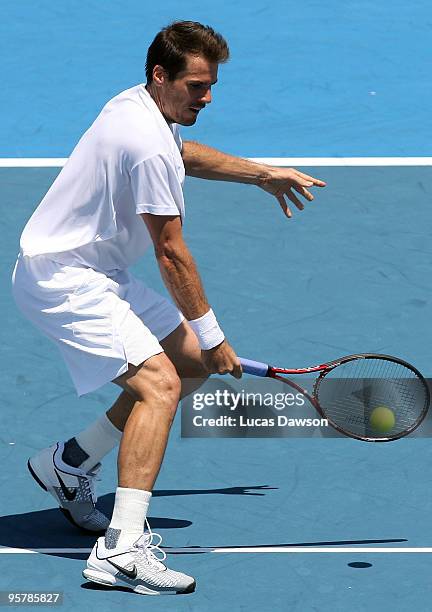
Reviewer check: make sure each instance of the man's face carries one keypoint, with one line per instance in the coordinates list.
(181, 100)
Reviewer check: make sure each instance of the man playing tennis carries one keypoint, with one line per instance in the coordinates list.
(119, 193)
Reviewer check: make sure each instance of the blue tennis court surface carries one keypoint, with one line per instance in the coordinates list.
(263, 524)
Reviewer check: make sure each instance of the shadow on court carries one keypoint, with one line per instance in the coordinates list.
(93, 586)
(49, 528)
(193, 550)
(256, 490)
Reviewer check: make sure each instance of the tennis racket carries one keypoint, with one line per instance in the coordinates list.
(354, 392)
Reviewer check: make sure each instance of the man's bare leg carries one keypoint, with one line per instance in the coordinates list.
(182, 348)
(156, 389)
(119, 412)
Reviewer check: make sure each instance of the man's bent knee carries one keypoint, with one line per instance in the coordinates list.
(156, 381)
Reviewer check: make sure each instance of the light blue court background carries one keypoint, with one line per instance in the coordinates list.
(328, 79)
(350, 273)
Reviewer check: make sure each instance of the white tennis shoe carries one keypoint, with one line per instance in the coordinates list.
(137, 568)
(72, 488)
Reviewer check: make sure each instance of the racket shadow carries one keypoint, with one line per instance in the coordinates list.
(193, 550)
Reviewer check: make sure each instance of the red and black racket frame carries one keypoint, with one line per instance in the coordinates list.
(257, 368)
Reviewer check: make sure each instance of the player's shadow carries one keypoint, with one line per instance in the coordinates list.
(48, 529)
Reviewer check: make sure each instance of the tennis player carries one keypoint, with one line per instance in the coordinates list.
(120, 193)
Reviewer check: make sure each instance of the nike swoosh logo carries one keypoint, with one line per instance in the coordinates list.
(70, 495)
(132, 574)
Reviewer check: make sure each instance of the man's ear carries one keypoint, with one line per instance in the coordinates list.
(160, 75)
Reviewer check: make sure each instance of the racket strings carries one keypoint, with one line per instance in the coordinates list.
(350, 393)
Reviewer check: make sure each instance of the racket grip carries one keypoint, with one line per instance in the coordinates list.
(257, 368)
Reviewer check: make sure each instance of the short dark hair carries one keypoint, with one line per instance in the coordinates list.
(175, 41)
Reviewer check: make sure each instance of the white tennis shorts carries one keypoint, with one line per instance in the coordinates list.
(100, 323)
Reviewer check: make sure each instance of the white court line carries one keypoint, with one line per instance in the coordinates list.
(252, 549)
(323, 549)
(58, 162)
(32, 162)
(344, 161)
(5, 550)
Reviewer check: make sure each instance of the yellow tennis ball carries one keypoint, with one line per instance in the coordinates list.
(382, 419)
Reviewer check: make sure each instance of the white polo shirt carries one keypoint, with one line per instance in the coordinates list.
(128, 162)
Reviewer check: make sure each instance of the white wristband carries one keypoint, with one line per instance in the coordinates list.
(207, 331)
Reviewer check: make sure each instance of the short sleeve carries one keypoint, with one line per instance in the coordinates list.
(156, 186)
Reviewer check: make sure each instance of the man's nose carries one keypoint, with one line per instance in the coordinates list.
(207, 97)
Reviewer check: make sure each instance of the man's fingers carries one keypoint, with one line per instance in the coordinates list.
(237, 371)
(233, 369)
(294, 199)
(284, 206)
(285, 182)
(222, 360)
(304, 192)
(311, 179)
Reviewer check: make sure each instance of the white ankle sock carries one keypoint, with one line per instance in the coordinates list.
(98, 440)
(129, 515)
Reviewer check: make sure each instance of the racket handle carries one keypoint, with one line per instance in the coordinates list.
(257, 368)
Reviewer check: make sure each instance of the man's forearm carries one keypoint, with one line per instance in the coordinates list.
(205, 162)
(180, 275)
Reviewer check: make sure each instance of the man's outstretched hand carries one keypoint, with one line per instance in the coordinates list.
(282, 182)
